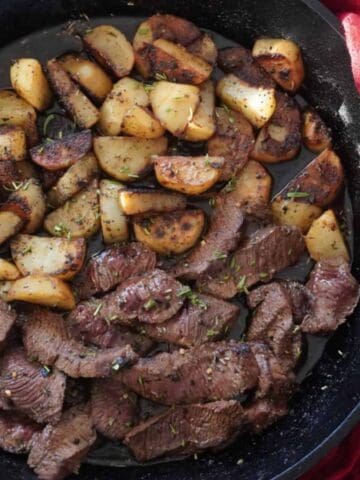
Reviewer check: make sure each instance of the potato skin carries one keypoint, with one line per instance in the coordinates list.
(113, 221)
(12, 143)
(316, 136)
(170, 233)
(10, 224)
(138, 201)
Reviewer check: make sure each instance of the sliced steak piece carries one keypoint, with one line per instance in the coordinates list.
(7, 321)
(221, 240)
(334, 294)
(264, 412)
(112, 266)
(258, 258)
(114, 408)
(206, 319)
(150, 298)
(16, 432)
(185, 430)
(59, 450)
(300, 299)
(46, 339)
(33, 390)
(77, 391)
(209, 372)
(272, 323)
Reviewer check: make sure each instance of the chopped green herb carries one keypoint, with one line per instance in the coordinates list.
(97, 309)
(143, 31)
(207, 160)
(151, 303)
(297, 195)
(48, 119)
(26, 250)
(160, 76)
(231, 185)
(241, 286)
(173, 429)
(146, 231)
(212, 202)
(168, 110)
(233, 263)
(211, 333)
(126, 170)
(15, 186)
(45, 371)
(140, 380)
(220, 255)
(185, 291)
(252, 263)
(61, 230)
(263, 275)
(228, 113)
(148, 87)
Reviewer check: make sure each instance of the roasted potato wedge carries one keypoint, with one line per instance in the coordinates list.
(282, 59)
(8, 271)
(189, 175)
(79, 107)
(59, 154)
(170, 233)
(29, 81)
(16, 111)
(113, 221)
(174, 105)
(140, 201)
(316, 136)
(202, 126)
(12, 143)
(77, 177)
(111, 49)
(127, 158)
(10, 224)
(27, 169)
(58, 257)
(280, 138)
(91, 78)
(4, 290)
(140, 122)
(125, 94)
(325, 239)
(205, 48)
(78, 217)
(296, 213)
(42, 290)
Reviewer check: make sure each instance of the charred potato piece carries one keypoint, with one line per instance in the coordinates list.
(296, 213)
(29, 81)
(202, 126)
(12, 143)
(8, 271)
(77, 177)
(59, 154)
(170, 233)
(189, 175)
(58, 257)
(79, 107)
(205, 48)
(42, 290)
(125, 94)
(91, 78)
(140, 122)
(279, 139)
(282, 59)
(174, 105)
(140, 201)
(113, 221)
(316, 136)
(127, 158)
(78, 217)
(10, 224)
(111, 49)
(325, 239)
(16, 111)
(233, 140)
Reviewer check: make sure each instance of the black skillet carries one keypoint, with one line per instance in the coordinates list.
(328, 405)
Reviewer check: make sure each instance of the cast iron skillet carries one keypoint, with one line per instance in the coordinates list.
(328, 405)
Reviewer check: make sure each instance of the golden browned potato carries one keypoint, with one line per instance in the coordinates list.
(42, 290)
(282, 59)
(125, 94)
(111, 49)
(28, 80)
(190, 175)
(113, 221)
(138, 201)
(16, 111)
(174, 104)
(170, 233)
(141, 122)
(127, 158)
(12, 143)
(74, 179)
(294, 212)
(8, 271)
(96, 83)
(316, 136)
(78, 217)
(202, 126)
(58, 257)
(10, 224)
(79, 107)
(325, 239)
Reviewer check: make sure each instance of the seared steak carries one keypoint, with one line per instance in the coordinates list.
(211, 371)
(300, 299)
(258, 258)
(112, 266)
(47, 340)
(7, 320)
(222, 238)
(263, 413)
(30, 388)
(59, 450)
(334, 294)
(184, 430)
(206, 319)
(16, 432)
(113, 408)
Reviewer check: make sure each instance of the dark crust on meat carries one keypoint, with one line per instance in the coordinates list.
(263, 413)
(16, 432)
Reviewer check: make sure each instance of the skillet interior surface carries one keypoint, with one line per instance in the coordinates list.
(331, 395)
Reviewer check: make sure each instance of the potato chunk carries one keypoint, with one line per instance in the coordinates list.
(10, 224)
(8, 271)
(138, 201)
(140, 122)
(113, 221)
(202, 126)
(170, 233)
(325, 239)
(316, 136)
(12, 143)
(296, 213)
